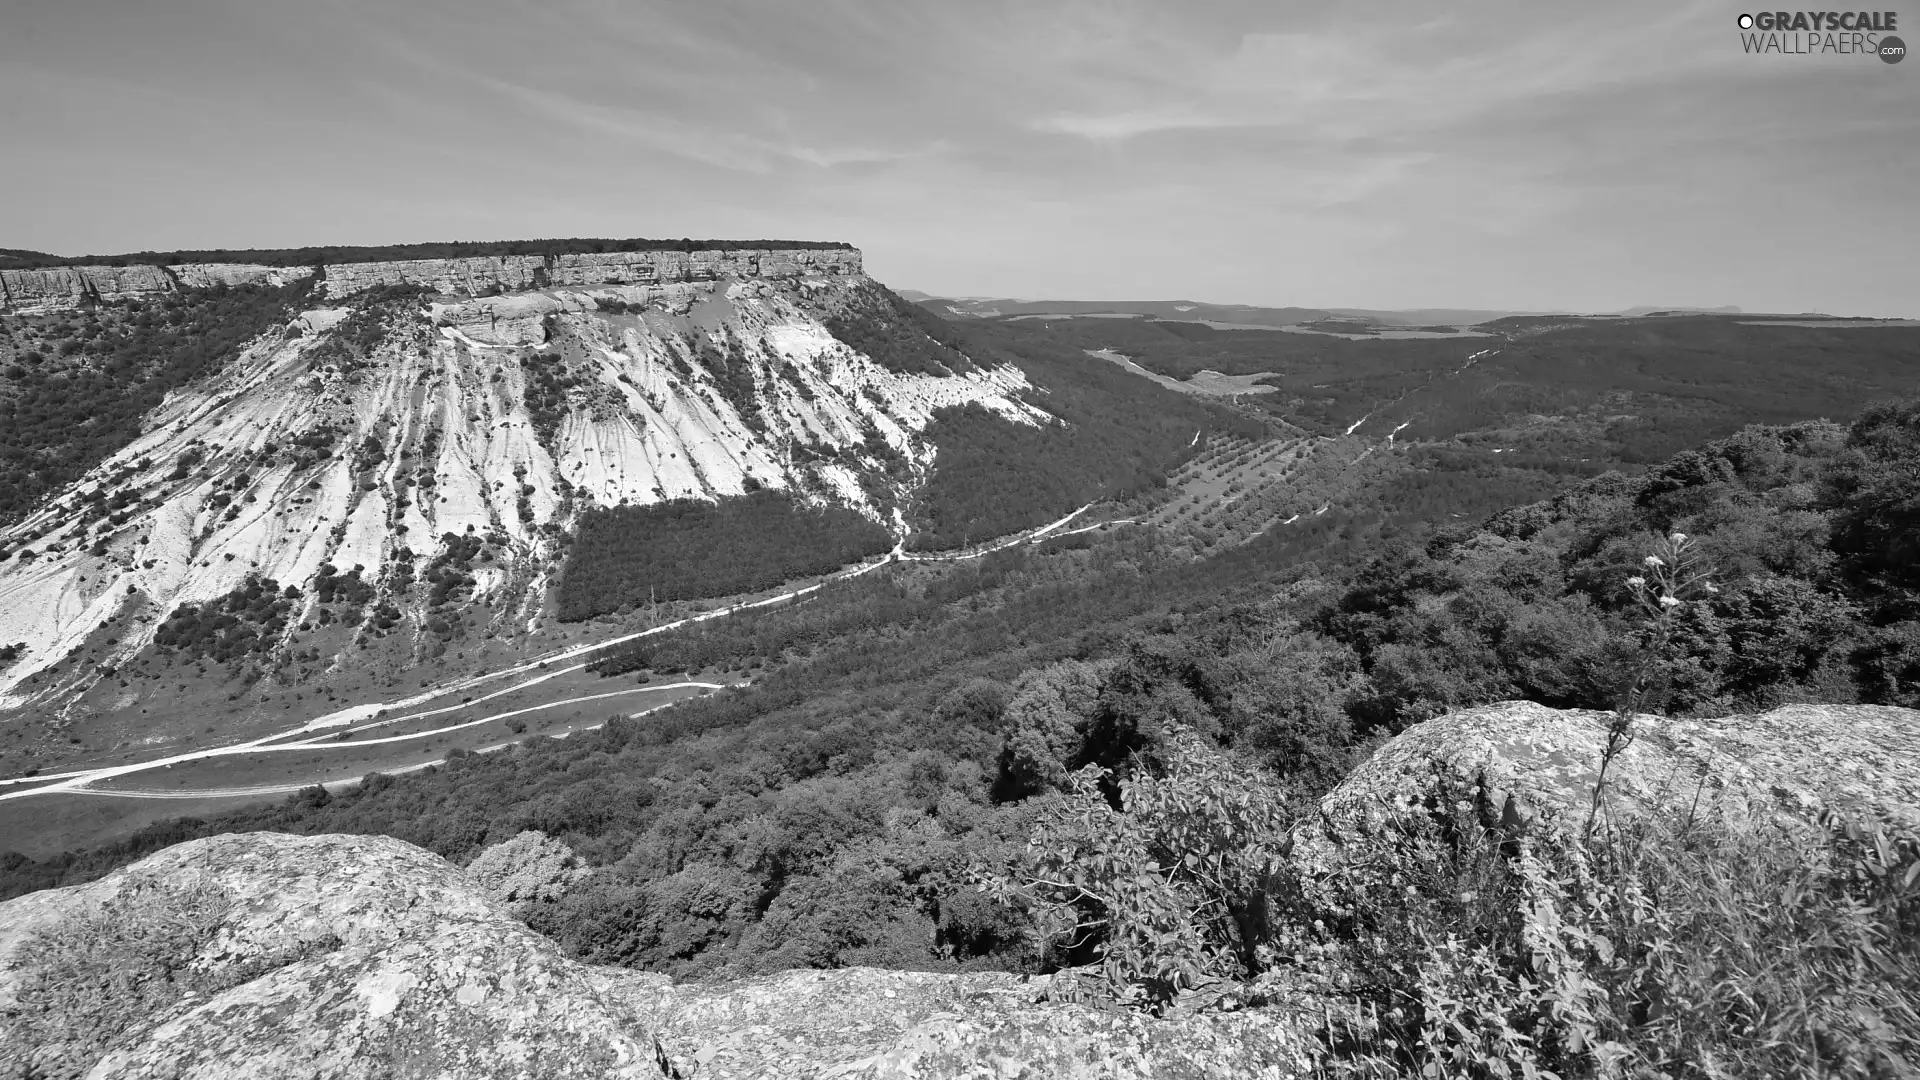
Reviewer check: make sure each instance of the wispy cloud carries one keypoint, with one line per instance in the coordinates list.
(1493, 153)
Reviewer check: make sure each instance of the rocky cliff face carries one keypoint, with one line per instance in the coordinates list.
(55, 289)
(368, 428)
(345, 957)
(511, 273)
(60, 288)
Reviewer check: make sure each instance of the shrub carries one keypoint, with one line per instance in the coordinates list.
(532, 868)
(1168, 893)
(1721, 946)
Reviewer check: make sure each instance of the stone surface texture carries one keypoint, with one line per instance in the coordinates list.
(64, 287)
(426, 980)
(1530, 766)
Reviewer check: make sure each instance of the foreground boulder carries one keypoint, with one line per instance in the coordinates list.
(1526, 766)
(269, 955)
(317, 956)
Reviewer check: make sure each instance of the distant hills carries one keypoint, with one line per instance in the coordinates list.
(1247, 315)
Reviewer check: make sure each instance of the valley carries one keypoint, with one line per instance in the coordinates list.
(591, 459)
(339, 749)
(794, 714)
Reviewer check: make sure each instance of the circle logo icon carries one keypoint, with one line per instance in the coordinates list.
(1746, 22)
(1892, 50)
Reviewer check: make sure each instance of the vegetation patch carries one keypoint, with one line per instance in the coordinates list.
(1113, 437)
(246, 622)
(899, 336)
(733, 377)
(686, 549)
(82, 382)
(551, 390)
(349, 345)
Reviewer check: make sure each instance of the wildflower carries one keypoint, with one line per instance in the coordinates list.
(1654, 560)
(1679, 538)
(1669, 601)
(1712, 588)
(1636, 582)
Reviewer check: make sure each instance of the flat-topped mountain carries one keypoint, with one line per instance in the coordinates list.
(388, 412)
(298, 465)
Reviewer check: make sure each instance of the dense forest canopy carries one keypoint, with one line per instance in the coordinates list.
(686, 549)
(1116, 435)
(13, 259)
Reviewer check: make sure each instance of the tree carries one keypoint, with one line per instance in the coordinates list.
(532, 868)
(1171, 891)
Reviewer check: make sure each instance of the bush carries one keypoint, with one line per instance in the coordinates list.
(532, 868)
(1171, 891)
(1714, 947)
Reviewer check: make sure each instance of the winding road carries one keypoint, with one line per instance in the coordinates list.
(326, 732)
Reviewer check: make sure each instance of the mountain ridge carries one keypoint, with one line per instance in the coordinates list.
(494, 397)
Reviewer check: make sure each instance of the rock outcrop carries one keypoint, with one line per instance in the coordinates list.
(1526, 766)
(64, 287)
(512, 273)
(414, 976)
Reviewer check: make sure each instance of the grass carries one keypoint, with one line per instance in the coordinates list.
(97, 979)
(1721, 946)
(90, 980)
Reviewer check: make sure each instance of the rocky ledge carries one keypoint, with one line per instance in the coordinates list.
(352, 956)
(66, 287)
(1527, 768)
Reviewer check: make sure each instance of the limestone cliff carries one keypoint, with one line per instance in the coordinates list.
(59, 288)
(512, 395)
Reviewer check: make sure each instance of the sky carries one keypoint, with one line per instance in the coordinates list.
(1526, 156)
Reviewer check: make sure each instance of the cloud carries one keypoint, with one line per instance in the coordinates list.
(1492, 153)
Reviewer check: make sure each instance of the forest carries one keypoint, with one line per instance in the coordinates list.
(1117, 435)
(624, 557)
(1633, 391)
(901, 337)
(14, 259)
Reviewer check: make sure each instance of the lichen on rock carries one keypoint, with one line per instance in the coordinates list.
(1526, 766)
